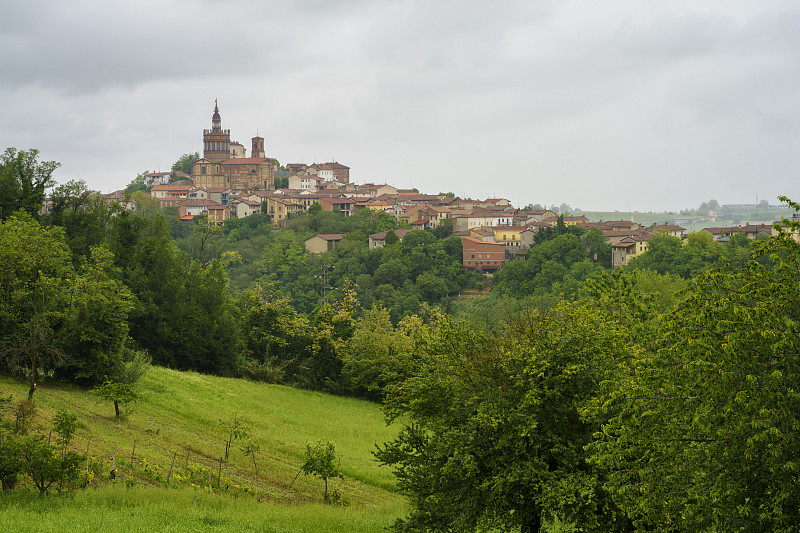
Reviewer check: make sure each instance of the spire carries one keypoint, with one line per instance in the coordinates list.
(216, 122)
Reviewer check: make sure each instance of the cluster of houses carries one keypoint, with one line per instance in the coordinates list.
(492, 230)
(226, 183)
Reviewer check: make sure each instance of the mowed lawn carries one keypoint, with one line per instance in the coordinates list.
(177, 425)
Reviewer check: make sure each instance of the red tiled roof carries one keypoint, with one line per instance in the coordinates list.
(330, 236)
(382, 235)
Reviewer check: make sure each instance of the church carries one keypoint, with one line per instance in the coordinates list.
(225, 164)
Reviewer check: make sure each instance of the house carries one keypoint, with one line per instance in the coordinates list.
(194, 206)
(157, 178)
(219, 195)
(498, 201)
(505, 218)
(623, 225)
(334, 172)
(751, 230)
(475, 219)
(617, 236)
(537, 215)
(324, 242)
(628, 248)
(378, 240)
(482, 234)
(343, 204)
(511, 236)
(218, 214)
(668, 229)
(198, 194)
(305, 182)
(281, 209)
(482, 256)
(245, 208)
(170, 195)
(574, 220)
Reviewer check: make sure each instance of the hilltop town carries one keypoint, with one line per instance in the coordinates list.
(225, 182)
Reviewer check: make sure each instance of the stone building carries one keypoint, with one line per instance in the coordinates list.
(224, 164)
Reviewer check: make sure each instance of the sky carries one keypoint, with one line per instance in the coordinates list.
(603, 105)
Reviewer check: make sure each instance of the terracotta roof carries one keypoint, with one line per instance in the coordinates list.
(329, 236)
(329, 166)
(199, 202)
(382, 235)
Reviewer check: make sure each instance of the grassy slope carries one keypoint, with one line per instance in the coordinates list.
(180, 412)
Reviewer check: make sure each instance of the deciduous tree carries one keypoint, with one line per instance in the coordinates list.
(23, 181)
(702, 431)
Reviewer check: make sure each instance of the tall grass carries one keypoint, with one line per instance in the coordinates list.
(179, 415)
(151, 509)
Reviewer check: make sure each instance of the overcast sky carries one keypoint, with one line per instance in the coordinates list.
(639, 104)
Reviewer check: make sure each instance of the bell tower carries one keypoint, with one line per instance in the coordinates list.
(216, 141)
(258, 147)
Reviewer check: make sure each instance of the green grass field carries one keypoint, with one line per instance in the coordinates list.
(179, 417)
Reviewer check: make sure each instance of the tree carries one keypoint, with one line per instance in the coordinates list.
(444, 229)
(185, 163)
(378, 354)
(137, 183)
(702, 427)
(121, 387)
(391, 238)
(47, 464)
(236, 427)
(321, 460)
(496, 425)
(23, 181)
(35, 267)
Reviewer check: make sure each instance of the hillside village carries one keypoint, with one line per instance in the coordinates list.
(226, 183)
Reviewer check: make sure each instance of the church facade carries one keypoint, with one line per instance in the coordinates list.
(224, 163)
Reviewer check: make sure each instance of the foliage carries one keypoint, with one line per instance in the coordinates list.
(321, 461)
(185, 163)
(23, 181)
(117, 393)
(137, 183)
(557, 265)
(122, 386)
(669, 255)
(236, 428)
(282, 182)
(378, 354)
(496, 424)
(43, 463)
(702, 431)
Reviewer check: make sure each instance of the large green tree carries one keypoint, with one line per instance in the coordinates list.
(185, 163)
(703, 426)
(496, 425)
(23, 181)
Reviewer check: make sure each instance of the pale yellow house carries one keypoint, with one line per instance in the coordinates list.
(511, 236)
(324, 242)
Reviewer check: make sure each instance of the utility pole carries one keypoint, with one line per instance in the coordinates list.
(325, 286)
